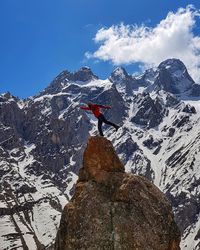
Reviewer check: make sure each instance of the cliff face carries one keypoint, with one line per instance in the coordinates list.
(115, 210)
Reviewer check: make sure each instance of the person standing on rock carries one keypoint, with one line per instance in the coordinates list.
(95, 108)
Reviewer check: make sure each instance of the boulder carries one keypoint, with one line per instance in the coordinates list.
(115, 210)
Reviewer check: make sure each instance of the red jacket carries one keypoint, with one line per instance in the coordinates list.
(95, 108)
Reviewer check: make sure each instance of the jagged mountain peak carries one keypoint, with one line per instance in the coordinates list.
(172, 64)
(177, 69)
(173, 77)
(119, 75)
(120, 71)
(84, 74)
(8, 97)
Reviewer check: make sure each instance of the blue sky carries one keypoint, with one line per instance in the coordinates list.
(41, 38)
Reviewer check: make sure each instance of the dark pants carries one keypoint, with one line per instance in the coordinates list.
(102, 119)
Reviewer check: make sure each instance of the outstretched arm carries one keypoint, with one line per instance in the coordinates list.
(104, 107)
(84, 108)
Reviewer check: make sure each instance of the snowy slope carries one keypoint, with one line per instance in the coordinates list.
(29, 203)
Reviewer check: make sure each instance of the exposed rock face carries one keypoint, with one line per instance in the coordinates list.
(173, 77)
(84, 74)
(115, 210)
(124, 82)
(149, 112)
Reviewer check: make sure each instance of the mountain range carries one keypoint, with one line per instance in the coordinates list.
(42, 139)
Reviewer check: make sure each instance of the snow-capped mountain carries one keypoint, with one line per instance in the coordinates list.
(42, 140)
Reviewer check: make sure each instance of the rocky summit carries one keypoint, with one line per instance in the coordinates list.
(115, 210)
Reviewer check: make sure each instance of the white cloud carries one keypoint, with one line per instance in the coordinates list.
(173, 37)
